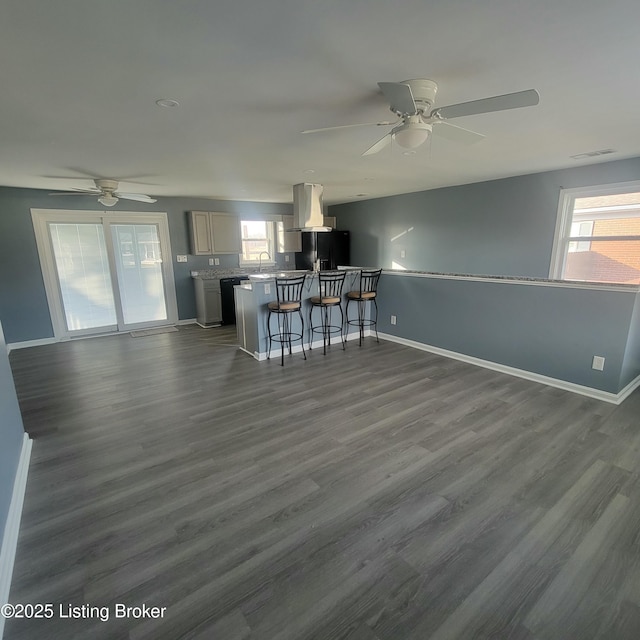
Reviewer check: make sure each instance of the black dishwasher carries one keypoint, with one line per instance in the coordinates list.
(228, 300)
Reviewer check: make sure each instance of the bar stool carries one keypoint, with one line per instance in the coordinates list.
(367, 292)
(288, 301)
(330, 285)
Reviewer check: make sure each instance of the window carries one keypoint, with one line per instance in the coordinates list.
(257, 242)
(598, 235)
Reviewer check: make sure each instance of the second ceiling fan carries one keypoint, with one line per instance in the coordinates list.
(412, 101)
(107, 192)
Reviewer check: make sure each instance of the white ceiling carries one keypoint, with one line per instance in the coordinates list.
(79, 80)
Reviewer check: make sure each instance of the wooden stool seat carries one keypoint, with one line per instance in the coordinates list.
(364, 295)
(283, 306)
(326, 300)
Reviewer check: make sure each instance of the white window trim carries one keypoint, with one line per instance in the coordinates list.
(564, 217)
(273, 219)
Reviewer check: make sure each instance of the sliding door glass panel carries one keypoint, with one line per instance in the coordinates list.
(83, 274)
(139, 267)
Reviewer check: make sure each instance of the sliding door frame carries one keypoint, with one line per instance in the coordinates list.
(43, 217)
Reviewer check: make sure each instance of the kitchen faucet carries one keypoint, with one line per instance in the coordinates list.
(260, 259)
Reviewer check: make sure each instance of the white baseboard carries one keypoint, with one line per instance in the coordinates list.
(606, 396)
(316, 344)
(12, 528)
(628, 390)
(42, 341)
(29, 343)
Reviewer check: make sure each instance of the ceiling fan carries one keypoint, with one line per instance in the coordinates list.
(412, 101)
(107, 192)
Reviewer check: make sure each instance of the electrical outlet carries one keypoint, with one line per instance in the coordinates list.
(286, 258)
(267, 288)
(598, 363)
(393, 319)
(211, 262)
(216, 261)
(403, 253)
(181, 258)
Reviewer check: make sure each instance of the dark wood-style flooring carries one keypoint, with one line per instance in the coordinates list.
(376, 493)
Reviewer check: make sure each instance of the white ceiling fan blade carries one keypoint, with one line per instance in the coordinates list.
(400, 97)
(455, 133)
(139, 197)
(516, 100)
(378, 146)
(76, 192)
(349, 126)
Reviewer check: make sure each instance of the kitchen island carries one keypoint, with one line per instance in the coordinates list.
(252, 313)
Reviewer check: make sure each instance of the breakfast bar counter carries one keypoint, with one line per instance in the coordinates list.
(253, 296)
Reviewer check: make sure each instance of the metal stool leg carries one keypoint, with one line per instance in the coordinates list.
(375, 323)
(302, 332)
(325, 329)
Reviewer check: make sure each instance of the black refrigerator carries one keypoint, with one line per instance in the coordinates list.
(331, 248)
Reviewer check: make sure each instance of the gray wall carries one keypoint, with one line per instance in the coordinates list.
(11, 434)
(23, 304)
(553, 331)
(501, 227)
(631, 362)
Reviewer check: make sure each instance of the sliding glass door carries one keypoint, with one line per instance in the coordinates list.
(138, 258)
(105, 272)
(84, 277)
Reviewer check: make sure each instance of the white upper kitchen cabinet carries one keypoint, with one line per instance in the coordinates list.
(288, 240)
(213, 232)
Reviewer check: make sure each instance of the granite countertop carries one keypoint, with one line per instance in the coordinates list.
(257, 276)
(209, 274)
(523, 279)
(212, 274)
(272, 275)
(469, 275)
(265, 277)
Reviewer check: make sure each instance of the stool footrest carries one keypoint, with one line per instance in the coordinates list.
(276, 337)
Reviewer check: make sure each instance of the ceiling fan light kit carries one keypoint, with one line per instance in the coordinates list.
(412, 134)
(412, 101)
(108, 200)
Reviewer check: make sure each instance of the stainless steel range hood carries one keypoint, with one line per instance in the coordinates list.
(307, 208)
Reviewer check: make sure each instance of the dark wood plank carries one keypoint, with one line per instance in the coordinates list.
(377, 493)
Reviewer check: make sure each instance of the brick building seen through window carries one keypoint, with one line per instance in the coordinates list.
(604, 242)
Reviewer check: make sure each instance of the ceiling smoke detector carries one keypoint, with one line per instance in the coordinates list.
(168, 103)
